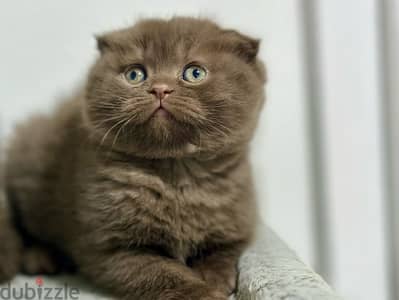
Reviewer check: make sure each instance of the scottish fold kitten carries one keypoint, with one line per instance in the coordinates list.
(141, 180)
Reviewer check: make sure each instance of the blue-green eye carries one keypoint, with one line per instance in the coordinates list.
(194, 74)
(136, 75)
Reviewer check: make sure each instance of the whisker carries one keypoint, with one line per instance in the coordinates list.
(109, 131)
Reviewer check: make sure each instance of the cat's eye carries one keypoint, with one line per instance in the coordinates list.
(136, 75)
(194, 74)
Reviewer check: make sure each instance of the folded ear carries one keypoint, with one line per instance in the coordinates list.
(106, 42)
(244, 46)
(103, 43)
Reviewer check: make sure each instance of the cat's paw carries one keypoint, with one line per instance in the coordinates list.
(9, 267)
(202, 293)
(9, 256)
(37, 260)
(215, 295)
(223, 281)
(208, 294)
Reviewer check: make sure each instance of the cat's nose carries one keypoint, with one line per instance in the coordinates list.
(161, 91)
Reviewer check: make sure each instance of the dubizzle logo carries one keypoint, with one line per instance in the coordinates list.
(38, 291)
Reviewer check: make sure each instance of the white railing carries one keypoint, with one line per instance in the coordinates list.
(352, 69)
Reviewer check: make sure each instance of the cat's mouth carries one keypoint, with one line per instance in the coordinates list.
(173, 113)
(161, 112)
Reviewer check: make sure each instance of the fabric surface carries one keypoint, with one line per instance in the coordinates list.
(269, 270)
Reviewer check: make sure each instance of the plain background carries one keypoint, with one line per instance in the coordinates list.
(46, 47)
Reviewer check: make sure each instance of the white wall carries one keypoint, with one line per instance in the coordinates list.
(351, 95)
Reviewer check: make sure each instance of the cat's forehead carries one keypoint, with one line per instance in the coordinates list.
(168, 40)
(172, 42)
(171, 33)
(163, 39)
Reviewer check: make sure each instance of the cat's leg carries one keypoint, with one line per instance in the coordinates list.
(219, 268)
(145, 276)
(39, 260)
(10, 251)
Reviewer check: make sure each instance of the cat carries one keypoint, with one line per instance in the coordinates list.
(141, 180)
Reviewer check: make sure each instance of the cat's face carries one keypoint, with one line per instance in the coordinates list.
(175, 88)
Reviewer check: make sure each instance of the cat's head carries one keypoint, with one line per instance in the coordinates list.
(170, 88)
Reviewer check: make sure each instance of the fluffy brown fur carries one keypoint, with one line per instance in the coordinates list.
(149, 206)
(10, 244)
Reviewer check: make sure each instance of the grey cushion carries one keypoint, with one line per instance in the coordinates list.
(271, 270)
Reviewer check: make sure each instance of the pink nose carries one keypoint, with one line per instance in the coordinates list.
(161, 91)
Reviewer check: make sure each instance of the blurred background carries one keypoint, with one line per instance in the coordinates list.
(326, 155)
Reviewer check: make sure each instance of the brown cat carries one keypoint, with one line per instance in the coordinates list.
(142, 179)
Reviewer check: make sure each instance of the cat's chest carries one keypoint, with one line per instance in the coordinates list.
(176, 215)
(184, 212)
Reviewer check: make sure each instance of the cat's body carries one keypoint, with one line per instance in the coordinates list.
(162, 210)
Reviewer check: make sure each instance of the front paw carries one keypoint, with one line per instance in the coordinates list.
(223, 281)
(194, 293)
(215, 295)
(9, 260)
(8, 269)
(37, 260)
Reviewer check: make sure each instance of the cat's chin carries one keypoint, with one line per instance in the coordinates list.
(187, 150)
(168, 144)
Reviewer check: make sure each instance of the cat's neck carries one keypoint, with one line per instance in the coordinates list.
(199, 166)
